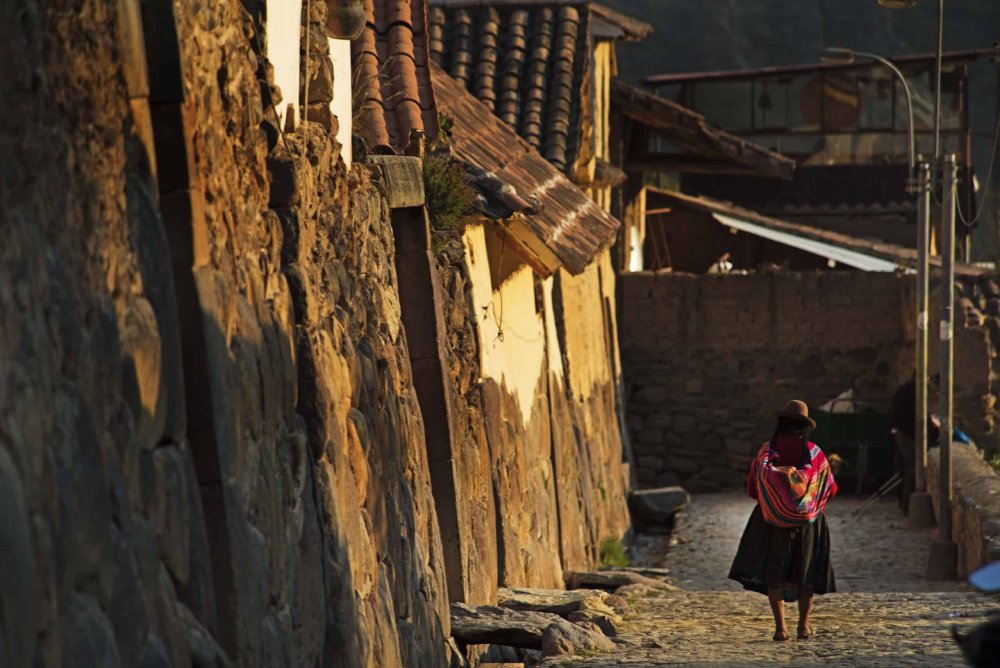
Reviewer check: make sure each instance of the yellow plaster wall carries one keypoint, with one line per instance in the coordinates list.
(604, 69)
(586, 342)
(551, 333)
(516, 359)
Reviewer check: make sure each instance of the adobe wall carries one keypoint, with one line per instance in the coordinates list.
(211, 452)
(533, 401)
(587, 409)
(708, 358)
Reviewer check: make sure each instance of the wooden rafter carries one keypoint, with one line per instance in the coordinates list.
(707, 149)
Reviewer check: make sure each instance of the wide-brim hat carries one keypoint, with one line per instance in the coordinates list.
(796, 410)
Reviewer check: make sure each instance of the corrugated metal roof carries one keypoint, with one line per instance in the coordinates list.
(717, 75)
(851, 258)
(899, 256)
(568, 223)
(628, 28)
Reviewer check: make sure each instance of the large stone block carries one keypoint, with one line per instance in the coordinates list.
(19, 586)
(659, 421)
(681, 465)
(648, 462)
(656, 507)
(567, 638)
(87, 635)
(653, 395)
(723, 475)
(651, 436)
(684, 424)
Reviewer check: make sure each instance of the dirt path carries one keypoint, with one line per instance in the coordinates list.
(884, 614)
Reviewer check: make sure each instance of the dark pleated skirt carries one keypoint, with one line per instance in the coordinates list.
(791, 558)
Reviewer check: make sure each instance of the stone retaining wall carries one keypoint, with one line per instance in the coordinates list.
(550, 451)
(975, 508)
(708, 358)
(210, 448)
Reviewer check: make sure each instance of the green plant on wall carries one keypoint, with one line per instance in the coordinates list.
(612, 553)
(446, 190)
(446, 187)
(991, 448)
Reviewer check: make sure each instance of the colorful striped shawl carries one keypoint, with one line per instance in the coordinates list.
(792, 497)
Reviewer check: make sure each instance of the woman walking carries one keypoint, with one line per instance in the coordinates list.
(785, 549)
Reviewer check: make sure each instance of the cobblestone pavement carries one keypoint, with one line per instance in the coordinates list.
(884, 614)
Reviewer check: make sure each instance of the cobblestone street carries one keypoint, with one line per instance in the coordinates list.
(884, 614)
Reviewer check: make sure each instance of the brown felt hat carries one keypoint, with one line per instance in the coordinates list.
(796, 410)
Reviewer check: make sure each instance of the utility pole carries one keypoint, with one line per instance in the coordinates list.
(992, 210)
(921, 504)
(943, 561)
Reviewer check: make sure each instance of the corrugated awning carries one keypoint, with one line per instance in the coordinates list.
(866, 254)
(830, 251)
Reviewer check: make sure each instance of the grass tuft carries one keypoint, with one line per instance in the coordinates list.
(612, 553)
(448, 195)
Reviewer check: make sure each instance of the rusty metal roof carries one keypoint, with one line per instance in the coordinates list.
(905, 258)
(569, 225)
(392, 88)
(807, 68)
(623, 27)
(692, 133)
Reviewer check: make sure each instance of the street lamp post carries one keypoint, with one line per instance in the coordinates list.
(943, 560)
(836, 54)
(920, 503)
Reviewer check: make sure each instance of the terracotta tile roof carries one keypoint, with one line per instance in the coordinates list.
(528, 62)
(689, 131)
(568, 224)
(393, 93)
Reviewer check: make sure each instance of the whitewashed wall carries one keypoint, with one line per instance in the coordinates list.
(283, 31)
(340, 54)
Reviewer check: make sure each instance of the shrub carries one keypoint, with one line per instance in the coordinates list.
(448, 195)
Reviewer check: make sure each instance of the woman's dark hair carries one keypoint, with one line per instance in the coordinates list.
(791, 426)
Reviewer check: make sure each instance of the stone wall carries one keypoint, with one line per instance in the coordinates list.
(975, 507)
(473, 562)
(708, 358)
(210, 448)
(977, 364)
(103, 540)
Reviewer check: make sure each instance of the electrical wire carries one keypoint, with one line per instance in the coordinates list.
(305, 100)
(499, 321)
(987, 193)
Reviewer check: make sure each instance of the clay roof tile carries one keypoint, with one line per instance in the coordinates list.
(392, 80)
(565, 224)
(528, 62)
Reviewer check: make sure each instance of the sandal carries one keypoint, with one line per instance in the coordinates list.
(805, 632)
(780, 636)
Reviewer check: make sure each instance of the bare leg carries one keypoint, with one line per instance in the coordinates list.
(805, 609)
(775, 595)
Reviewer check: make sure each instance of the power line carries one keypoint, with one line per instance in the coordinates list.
(987, 193)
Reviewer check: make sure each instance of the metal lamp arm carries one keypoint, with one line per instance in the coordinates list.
(909, 104)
